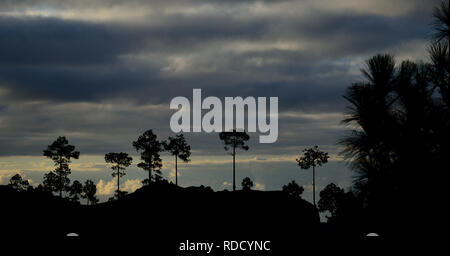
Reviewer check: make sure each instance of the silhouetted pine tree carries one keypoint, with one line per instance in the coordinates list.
(179, 148)
(61, 153)
(233, 140)
(120, 161)
(312, 157)
(150, 147)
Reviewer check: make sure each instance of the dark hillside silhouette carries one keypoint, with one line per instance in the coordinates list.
(204, 214)
(36, 214)
(398, 147)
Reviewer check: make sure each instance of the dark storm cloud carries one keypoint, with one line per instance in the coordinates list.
(40, 54)
(46, 41)
(53, 66)
(42, 41)
(9, 5)
(52, 41)
(65, 84)
(13, 5)
(356, 34)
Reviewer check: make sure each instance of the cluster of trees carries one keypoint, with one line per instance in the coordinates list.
(18, 183)
(403, 119)
(149, 147)
(75, 191)
(147, 144)
(400, 114)
(58, 181)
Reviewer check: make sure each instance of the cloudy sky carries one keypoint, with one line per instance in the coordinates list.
(102, 72)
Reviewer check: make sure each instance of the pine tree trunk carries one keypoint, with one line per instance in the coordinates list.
(314, 186)
(60, 177)
(149, 177)
(118, 182)
(176, 170)
(234, 168)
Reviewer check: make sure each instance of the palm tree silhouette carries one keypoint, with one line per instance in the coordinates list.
(442, 22)
(369, 147)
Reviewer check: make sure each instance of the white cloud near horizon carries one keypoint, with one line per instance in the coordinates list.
(105, 188)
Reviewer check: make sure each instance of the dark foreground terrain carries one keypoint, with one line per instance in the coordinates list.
(163, 216)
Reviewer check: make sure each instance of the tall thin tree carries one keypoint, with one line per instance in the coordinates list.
(179, 148)
(233, 140)
(120, 161)
(150, 147)
(61, 153)
(312, 157)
